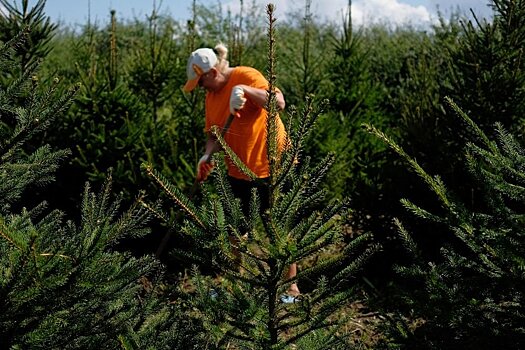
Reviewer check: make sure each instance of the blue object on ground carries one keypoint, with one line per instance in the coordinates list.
(289, 299)
(213, 294)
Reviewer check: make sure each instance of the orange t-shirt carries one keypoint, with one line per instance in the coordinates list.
(247, 133)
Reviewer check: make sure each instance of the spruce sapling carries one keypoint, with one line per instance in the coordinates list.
(250, 252)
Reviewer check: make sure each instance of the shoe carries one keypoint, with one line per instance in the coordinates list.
(290, 299)
(213, 294)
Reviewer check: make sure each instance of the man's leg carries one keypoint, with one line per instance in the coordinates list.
(242, 190)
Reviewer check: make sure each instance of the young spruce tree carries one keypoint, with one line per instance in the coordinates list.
(242, 308)
(62, 284)
(17, 18)
(472, 296)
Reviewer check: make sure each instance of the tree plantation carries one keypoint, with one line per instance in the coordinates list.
(400, 193)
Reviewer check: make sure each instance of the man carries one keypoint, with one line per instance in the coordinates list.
(242, 92)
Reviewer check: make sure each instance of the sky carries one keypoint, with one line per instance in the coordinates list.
(417, 12)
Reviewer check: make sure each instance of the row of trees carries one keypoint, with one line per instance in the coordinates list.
(104, 105)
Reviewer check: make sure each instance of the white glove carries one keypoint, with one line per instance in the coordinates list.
(237, 99)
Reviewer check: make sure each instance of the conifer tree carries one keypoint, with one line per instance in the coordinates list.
(471, 296)
(20, 17)
(489, 67)
(242, 307)
(23, 165)
(63, 285)
(355, 96)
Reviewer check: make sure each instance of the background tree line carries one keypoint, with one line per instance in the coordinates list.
(446, 101)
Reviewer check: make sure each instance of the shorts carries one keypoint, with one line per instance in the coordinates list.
(242, 189)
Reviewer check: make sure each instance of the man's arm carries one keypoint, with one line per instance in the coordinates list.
(260, 96)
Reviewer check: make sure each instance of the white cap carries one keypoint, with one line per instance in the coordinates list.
(199, 63)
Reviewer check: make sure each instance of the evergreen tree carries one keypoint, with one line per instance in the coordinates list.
(489, 67)
(305, 71)
(355, 96)
(64, 285)
(251, 252)
(18, 19)
(24, 166)
(471, 296)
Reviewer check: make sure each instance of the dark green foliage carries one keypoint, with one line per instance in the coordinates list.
(165, 321)
(129, 109)
(354, 96)
(305, 72)
(155, 65)
(411, 69)
(40, 29)
(62, 286)
(463, 60)
(490, 68)
(479, 65)
(297, 227)
(410, 76)
(471, 296)
(24, 166)
(252, 251)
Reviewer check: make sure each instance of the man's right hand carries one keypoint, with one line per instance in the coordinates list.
(237, 99)
(204, 167)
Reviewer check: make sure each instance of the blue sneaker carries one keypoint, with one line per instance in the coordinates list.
(290, 299)
(213, 294)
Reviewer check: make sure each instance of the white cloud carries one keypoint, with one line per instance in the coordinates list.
(364, 12)
(389, 11)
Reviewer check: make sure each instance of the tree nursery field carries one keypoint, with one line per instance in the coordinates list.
(400, 193)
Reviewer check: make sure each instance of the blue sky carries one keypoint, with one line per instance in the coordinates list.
(76, 12)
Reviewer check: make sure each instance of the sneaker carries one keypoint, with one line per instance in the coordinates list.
(213, 294)
(290, 299)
